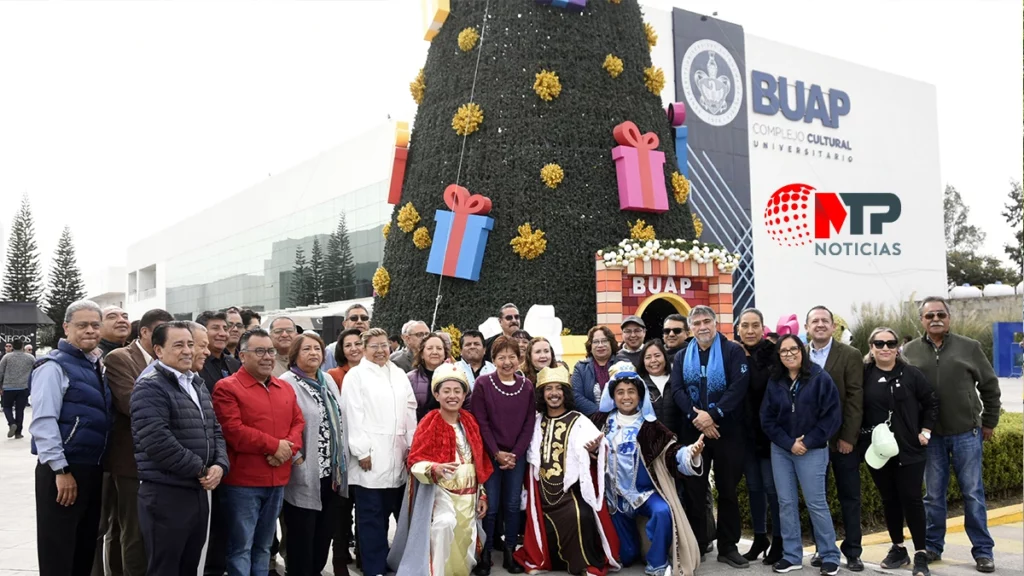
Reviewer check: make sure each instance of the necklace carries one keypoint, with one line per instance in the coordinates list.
(502, 392)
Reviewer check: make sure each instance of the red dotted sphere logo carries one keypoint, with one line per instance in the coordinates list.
(788, 215)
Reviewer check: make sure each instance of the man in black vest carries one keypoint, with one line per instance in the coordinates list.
(71, 420)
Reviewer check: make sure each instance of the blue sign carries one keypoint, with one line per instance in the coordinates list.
(771, 95)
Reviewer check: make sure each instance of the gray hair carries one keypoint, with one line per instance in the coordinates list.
(751, 311)
(408, 326)
(506, 307)
(82, 305)
(929, 300)
(702, 311)
(355, 306)
(196, 327)
(869, 359)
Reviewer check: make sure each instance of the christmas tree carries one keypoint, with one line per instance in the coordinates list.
(66, 285)
(22, 277)
(520, 107)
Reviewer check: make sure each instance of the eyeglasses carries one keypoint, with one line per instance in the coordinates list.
(236, 326)
(789, 352)
(598, 342)
(261, 352)
(420, 335)
(511, 317)
(633, 331)
(377, 346)
(673, 331)
(360, 317)
(890, 344)
(84, 325)
(279, 331)
(933, 315)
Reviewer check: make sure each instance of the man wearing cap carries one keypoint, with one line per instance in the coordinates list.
(441, 515)
(565, 515)
(644, 459)
(968, 391)
(633, 333)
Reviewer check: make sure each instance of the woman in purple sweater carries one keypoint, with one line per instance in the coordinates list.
(504, 407)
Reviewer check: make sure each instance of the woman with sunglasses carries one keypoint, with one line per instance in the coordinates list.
(898, 395)
(799, 414)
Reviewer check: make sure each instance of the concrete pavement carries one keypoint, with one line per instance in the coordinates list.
(18, 532)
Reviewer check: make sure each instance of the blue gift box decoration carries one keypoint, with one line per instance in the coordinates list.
(460, 235)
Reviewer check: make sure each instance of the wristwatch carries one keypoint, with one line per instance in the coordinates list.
(62, 471)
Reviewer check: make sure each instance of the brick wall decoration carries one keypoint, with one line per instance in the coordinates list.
(627, 290)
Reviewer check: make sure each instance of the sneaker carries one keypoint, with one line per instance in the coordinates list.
(984, 565)
(933, 556)
(734, 558)
(10, 430)
(854, 564)
(896, 558)
(816, 560)
(18, 436)
(783, 566)
(829, 569)
(655, 572)
(921, 564)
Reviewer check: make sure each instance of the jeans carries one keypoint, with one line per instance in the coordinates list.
(761, 489)
(373, 506)
(504, 492)
(14, 402)
(251, 515)
(964, 452)
(807, 471)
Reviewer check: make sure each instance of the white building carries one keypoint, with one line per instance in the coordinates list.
(105, 286)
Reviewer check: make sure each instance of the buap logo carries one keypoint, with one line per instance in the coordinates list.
(797, 215)
(712, 82)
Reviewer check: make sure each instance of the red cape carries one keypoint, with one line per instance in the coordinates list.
(434, 441)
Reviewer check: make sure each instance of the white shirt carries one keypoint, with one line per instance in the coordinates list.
(660, 382)
(185, 383)
(149, 359)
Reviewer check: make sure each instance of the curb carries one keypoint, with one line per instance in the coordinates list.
(996, 517)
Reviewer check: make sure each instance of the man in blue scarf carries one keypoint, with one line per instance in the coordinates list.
(709, 383)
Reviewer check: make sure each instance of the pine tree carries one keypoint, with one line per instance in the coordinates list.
(66, 285)
(520, 134)
(316, 272)
(340, 268)
(300, 279)
(23, 280)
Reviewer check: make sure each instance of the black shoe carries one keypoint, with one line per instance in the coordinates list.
(854, 564)
(829, 569)
(921, 564)
(18, 436)
(774, 554)
(510, 564)
(933, 556)
(483, 565)
(816, 560)
(783, 566)
(896, 558)
(734, 558)
(760, 545)
(984, 565)
(10, 430)
(709, 547)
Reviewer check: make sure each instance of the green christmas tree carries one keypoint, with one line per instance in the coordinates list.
(66, 285)
(22, 276)
(316, 272)
(601, 58)
(340, 267)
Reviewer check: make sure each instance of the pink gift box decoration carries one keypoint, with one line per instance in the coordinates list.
(639, 168)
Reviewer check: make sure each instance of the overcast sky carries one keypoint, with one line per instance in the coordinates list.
(120, 118)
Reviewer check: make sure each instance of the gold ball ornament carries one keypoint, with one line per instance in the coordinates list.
(654, 79)
(408, 217)
(652, 36)
(530, 243)
(386, 230)
(418, 86)
(613, 65)
(421, 238)
(680, 187)
(468, 119)
(381, 281)
(467, 39)
(552, 175)
(547, 85)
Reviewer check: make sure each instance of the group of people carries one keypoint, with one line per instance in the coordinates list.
(185, 449)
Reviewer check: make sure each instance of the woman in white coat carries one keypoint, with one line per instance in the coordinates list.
(379, 420)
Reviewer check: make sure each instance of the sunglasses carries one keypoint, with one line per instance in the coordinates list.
(673, 331)
(511, 317)
(939, 315)
(890, 344)
(362, 317)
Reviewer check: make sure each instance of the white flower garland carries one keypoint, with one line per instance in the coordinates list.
(676, 250)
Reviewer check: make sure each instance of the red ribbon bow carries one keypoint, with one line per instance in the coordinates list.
(463, 204)
(627, 134)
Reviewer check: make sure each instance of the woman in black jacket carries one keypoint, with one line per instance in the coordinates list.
(655, 372)
(898, 394)
(758, 461)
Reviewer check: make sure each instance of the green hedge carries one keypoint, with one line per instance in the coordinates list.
(1003, 475)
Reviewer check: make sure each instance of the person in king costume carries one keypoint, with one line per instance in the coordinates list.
(439, 531)
(567, 524)
(643, 457)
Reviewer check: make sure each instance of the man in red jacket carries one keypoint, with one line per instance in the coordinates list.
(262, 426)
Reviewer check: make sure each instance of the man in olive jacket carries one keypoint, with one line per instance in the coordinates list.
(846, 367)
(968, 391)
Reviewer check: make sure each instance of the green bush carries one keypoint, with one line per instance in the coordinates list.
(905, 319)
(1003, 475)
